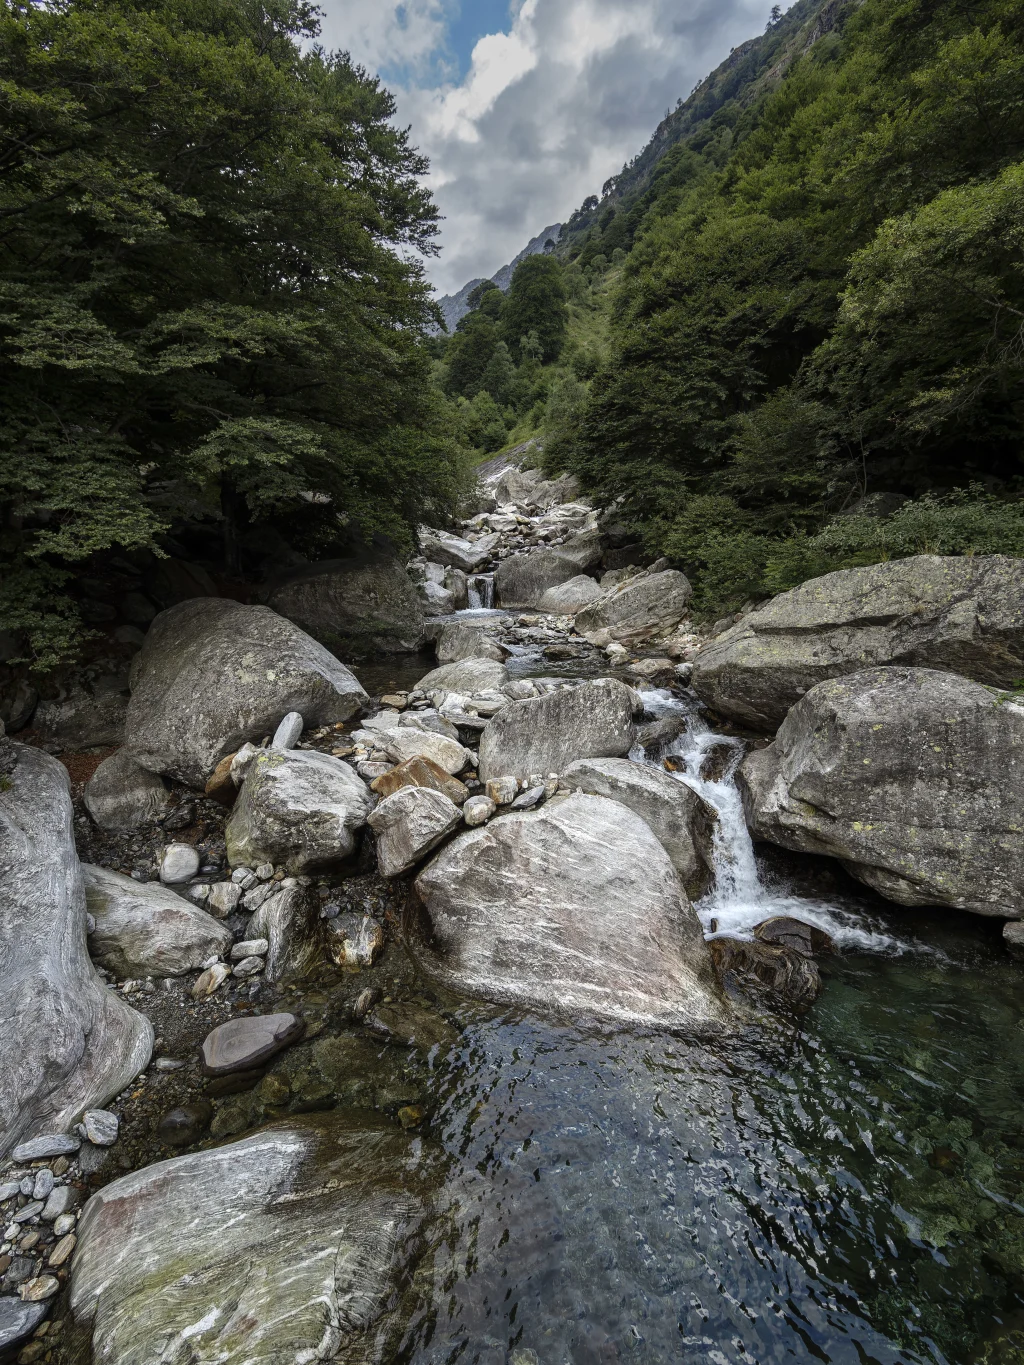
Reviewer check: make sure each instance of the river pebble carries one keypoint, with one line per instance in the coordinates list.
(178, 863)
(43, 1183)
(101, 1126)
(49, 1144)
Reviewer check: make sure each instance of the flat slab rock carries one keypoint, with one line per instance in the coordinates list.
(546, 734)
(291, 1245)
(574, 909)
(78, 1043)
(247, 1042)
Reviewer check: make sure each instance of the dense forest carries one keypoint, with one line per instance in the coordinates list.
(211, 317)
(788, 337)
(822, 308)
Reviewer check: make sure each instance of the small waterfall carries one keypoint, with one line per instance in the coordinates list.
(481, 591)
(739, 899)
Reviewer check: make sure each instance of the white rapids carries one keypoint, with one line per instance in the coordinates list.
(740, 899)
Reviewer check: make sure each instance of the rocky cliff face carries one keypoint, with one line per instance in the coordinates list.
(456, 306)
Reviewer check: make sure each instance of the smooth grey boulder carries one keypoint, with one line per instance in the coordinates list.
(456, 553)
(144, 929)
(466, 676)
(289, 919)
(354, 606)
(913, 778)
(247, 1042)
(522, 580)
(515, 485)
(213, 674)
(289, 1246)
(88, 713)
(546, 734)
(298, 809)
(584, 549)
(961, 615)
(461, 641)
(682, 821)
(569, 598)
(409, 824)
(573, 909)
(122, 795)
(645, 606)
(74, 1043)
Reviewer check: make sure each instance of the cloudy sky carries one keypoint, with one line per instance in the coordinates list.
(525, 107)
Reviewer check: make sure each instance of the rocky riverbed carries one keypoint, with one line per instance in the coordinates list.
(275, 964)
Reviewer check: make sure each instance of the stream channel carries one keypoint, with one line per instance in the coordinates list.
(846, 1187)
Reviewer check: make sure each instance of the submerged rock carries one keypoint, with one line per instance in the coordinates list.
(545, 734)
(573, 909)
(299, 809)
(682, 821)
(213, 674)
(365, 607)
(963, 614)
(783, 971)
(72, 1043)
(783, 931)
(142, 929)
(641, 608)
(912, 778)
(288, 1246)
(122, 795)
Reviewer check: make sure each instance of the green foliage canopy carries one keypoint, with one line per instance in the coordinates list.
(207, 306)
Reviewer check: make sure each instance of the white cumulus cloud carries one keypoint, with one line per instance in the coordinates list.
(545, 112)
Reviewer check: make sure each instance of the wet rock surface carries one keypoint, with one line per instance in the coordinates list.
(575, 909)
(322, 1213)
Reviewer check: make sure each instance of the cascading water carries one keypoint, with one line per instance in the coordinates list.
(740, 898)
(481, 591)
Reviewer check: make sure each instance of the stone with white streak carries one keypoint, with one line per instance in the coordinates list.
(78, 1043)
(401, 745)
(288, 1246)
(545, 734)
(574, 909)
(143, 929)
(409, 824)
(298, 809)
(122, 795)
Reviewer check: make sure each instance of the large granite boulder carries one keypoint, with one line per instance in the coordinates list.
(297, 808)
(466, 676)
(455, 553)
(569, 598)
(963, 615)
(122, 795)
(522, 580)
(288, 1246)
(682, 821)
(354, 607)
(67, 1043)
(546, 734)
(145, 929)
(645, 606)
(213, 674)
(913, 778)
(574, 909)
